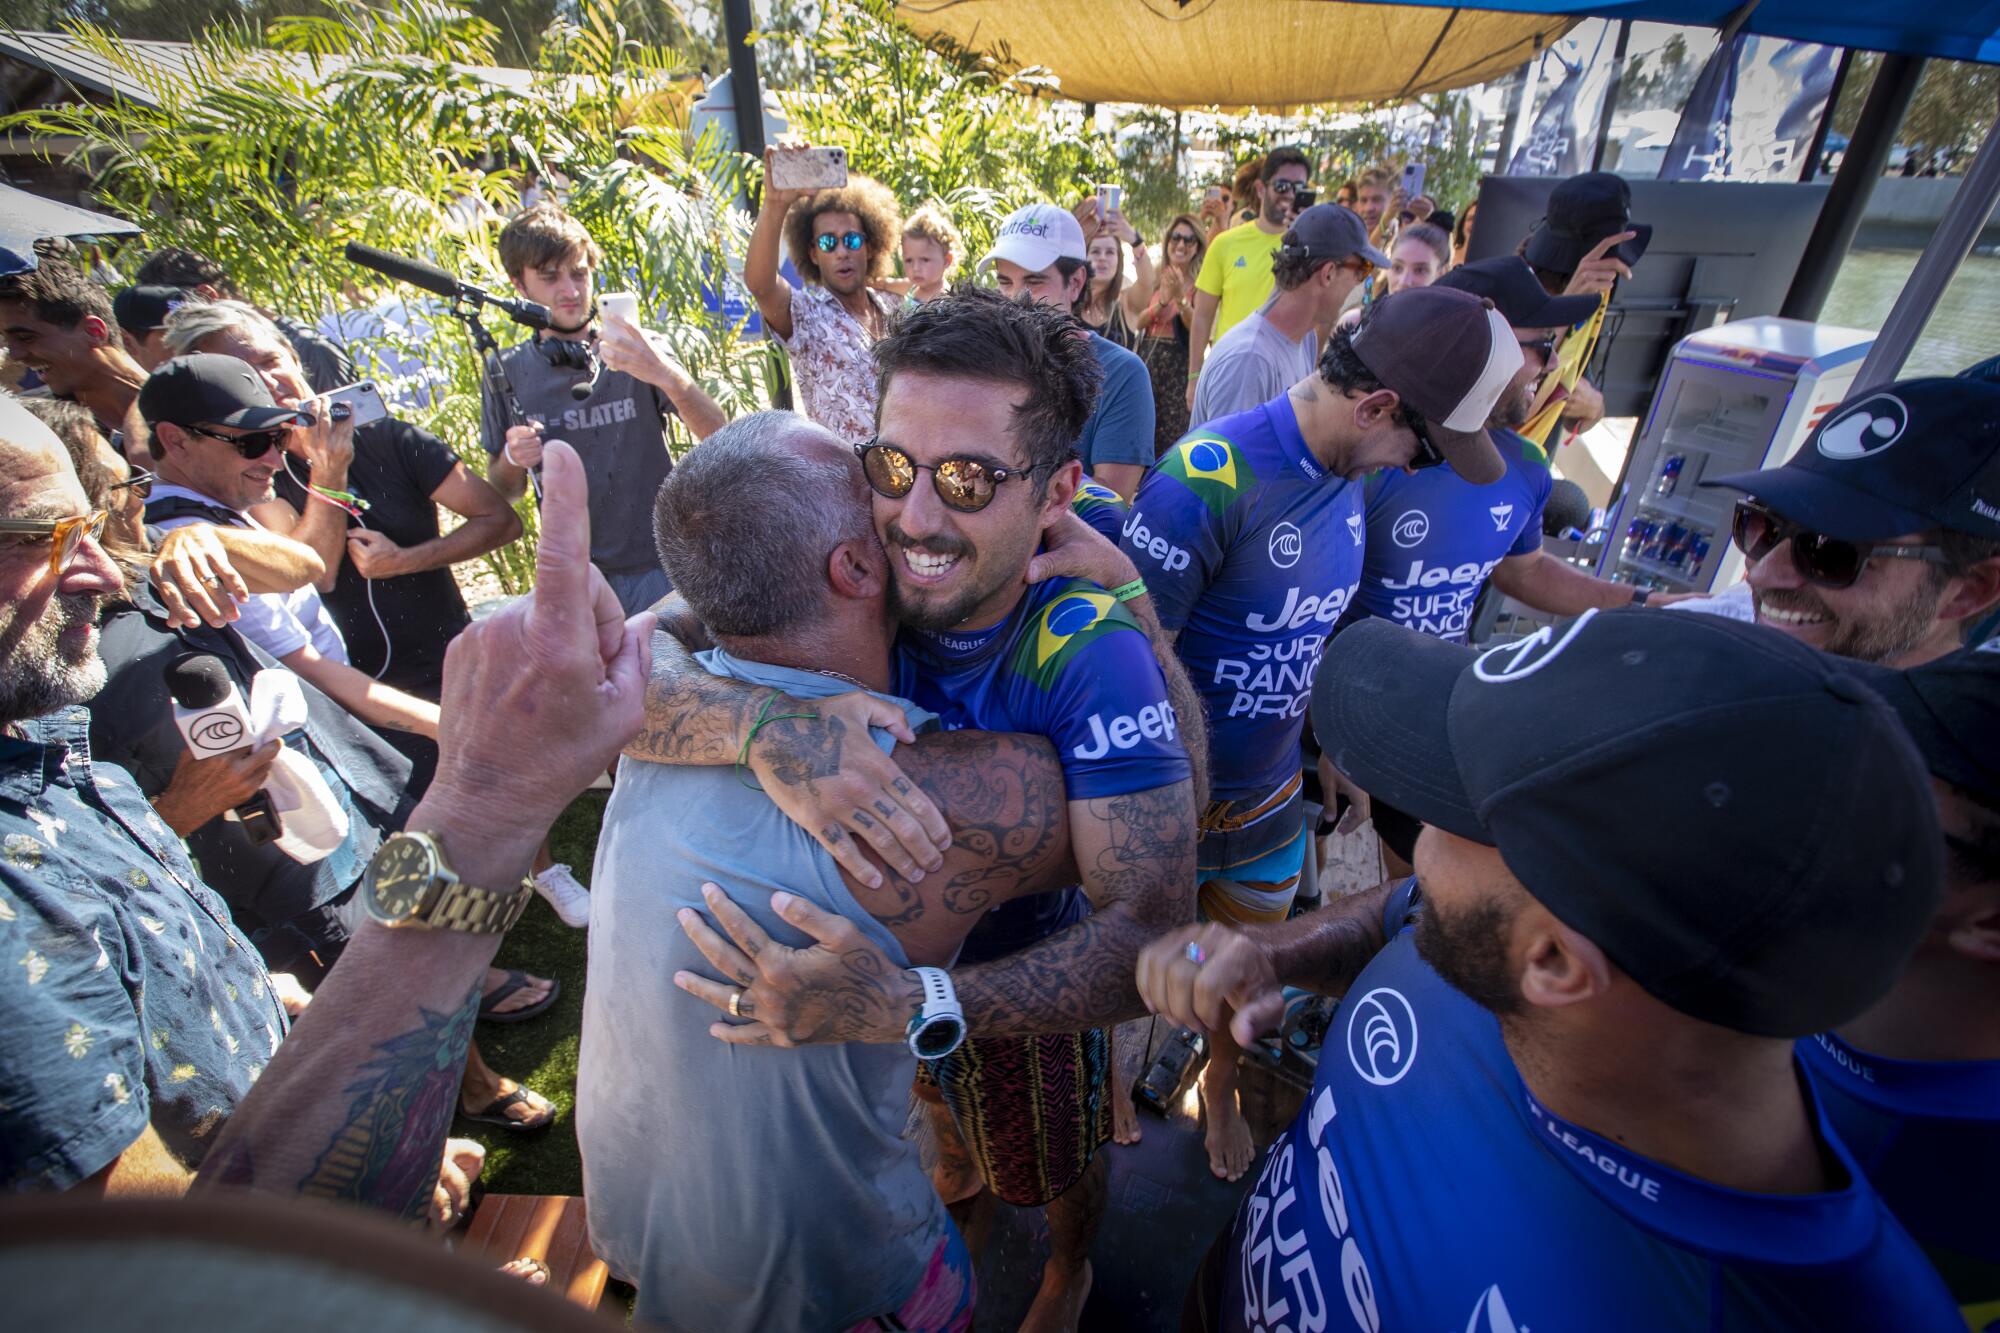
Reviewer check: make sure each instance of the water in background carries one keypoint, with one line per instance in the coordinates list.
(1964, 329)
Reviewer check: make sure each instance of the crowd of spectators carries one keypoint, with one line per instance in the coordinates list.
(978, 708)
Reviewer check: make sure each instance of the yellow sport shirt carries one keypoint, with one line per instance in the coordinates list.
(1237, 271)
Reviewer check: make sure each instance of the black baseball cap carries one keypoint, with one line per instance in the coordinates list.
(209, 389)
(1913, 456)
(140, 310)
(1449, 355)
(1951, 708)
(1508, 282)
(1583, 210)
(1738, 821)
(1328, 231)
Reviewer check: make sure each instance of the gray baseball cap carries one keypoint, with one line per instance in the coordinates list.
(1328, 231)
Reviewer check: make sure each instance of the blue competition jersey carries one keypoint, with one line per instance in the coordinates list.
(1071, 664)
(1251, 551)
(1434, 538)
(1424, 1188)
(1928, 1135)
(1099, 506)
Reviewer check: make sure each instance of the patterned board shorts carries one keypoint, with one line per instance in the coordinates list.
(1249, 861)
(1033, 1110)
(943, 1300)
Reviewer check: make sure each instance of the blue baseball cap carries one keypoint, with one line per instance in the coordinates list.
(1914, 456)
(1740, 823)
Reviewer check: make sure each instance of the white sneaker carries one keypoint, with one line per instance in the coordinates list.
(570, 899)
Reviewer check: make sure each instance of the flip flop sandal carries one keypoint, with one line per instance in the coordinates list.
(495, 1113)
(516, 979)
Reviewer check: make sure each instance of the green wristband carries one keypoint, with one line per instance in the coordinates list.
(1125, 592)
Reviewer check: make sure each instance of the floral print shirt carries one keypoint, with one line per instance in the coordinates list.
(128, 993)
(831, 362)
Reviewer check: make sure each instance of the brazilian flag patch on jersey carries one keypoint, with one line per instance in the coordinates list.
(1090, 494)
(1073, 620)
(1210, 466)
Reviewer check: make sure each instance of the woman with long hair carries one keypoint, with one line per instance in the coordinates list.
(1162, 328)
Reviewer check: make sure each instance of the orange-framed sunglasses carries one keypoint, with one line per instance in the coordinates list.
(65, 534)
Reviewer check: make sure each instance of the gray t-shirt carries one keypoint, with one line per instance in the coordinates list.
(1251, 365)
(619, 433)
(738, 1187)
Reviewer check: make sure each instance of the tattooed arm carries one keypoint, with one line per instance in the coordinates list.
(845, 795)
(1136, 856)
(537, 699)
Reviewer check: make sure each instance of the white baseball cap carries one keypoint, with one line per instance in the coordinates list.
(1035, 237)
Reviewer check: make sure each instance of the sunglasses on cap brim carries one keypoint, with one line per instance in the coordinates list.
(1827, 562)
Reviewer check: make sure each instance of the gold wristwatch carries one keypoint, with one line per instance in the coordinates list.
(408, 884)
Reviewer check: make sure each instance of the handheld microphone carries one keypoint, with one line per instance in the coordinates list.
(431, 278)
(209, 711)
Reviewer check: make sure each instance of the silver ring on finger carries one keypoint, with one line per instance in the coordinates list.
(1196, 954)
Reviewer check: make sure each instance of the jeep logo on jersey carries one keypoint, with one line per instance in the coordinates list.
(1521, 659)
(1500, 513)
(1382, 1036)
(1411, 528)
(1286, 546)
(1153, 722)
(1168, 556)
(1868, 427)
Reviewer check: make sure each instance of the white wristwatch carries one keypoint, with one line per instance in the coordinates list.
(939, 1024)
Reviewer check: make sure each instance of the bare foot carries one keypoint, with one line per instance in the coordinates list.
(1124, 1115)
(1230, 1147)
(531, 1271)
(1059, 1304)
(1128, 1039)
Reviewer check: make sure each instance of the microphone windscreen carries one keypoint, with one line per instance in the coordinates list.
(404, 269)
(198, 680)
(1568, 507)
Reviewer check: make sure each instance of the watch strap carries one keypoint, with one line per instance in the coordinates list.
(477, 911)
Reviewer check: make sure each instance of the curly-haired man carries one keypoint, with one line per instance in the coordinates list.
(841, 240)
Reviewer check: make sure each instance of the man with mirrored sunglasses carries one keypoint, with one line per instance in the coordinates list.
(1879, 539)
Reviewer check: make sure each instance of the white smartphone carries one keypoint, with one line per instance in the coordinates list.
(1413, 181)
(1109, 199)
(619, 305)
(808, 168)
(360, 403)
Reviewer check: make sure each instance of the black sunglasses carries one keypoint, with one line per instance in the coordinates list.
(1428, 454)
(140, 483)
(826, 241)
(251, 443)
(1182, 238)
(964, 484)
(1829, 562)
(1288, 186)
(1546, 346)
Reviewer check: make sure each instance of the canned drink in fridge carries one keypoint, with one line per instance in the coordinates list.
(1670, 475)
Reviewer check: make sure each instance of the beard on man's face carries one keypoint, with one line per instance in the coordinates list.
(53, 663)
(1468, 948)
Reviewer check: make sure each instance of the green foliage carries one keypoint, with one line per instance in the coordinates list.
(938, 122)
(353, 123)
(1951, 113)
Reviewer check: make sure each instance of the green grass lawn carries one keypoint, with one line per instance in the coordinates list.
(542, 1052)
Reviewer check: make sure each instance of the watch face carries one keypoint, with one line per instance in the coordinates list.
(398, 878)
(938, 1037)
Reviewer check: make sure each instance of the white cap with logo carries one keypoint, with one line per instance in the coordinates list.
(1035, 237)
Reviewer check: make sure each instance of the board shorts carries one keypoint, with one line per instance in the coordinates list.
(1033, 1111)
(1251, 857)
(943, 1300)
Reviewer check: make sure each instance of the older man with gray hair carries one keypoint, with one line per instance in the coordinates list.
(674, 1125)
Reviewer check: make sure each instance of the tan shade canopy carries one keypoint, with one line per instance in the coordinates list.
(1234, 53)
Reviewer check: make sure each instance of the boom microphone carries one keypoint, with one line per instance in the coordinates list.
(431, 278)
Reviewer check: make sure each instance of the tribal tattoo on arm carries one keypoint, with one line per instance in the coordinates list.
(1325, 951)
(1136, 855)
(693, 716)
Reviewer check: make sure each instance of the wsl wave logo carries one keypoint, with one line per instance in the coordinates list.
(1065, 627)
(217, 731)
(1382, 1036)
(1286, 546)
(1868, 427)
(1210, 466)
(1411, 528)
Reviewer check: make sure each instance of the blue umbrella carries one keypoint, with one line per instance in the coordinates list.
(26, 218)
